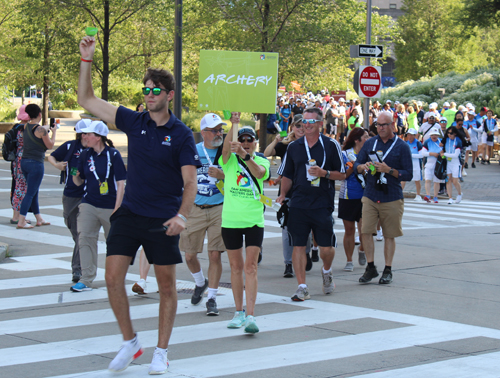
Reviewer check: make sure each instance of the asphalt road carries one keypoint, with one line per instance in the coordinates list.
(439, 318)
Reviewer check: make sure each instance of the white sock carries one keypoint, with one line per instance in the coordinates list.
(212, 293)
(303, 286)
(327, 271)
(162, 350)
(314, 248)
(199, 279)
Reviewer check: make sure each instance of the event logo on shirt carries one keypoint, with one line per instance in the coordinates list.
(166, 141)
(242, 180)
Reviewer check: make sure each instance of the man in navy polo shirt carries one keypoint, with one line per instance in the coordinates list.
(312, 164)
(383, 196)
(160, 191)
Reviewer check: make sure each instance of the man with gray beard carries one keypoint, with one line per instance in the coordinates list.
(206, 216)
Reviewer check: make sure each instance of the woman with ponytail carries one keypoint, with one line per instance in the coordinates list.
(102, 170)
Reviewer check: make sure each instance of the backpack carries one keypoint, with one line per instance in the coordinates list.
(9, 145)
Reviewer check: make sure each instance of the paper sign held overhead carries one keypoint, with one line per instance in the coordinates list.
(238, 81)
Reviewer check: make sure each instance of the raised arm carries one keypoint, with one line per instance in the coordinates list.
(226, 147)
(86, 97)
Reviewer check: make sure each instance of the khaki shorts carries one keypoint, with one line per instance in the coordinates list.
(203, 221)
(389, 213)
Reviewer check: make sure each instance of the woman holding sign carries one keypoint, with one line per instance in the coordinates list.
(243, 214)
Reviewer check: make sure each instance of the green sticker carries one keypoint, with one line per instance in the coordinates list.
(91, 31)
(283, 134)
(227, 114)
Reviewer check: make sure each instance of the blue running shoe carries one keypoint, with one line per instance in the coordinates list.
(80, 287)
(250, 325)
(238, 320)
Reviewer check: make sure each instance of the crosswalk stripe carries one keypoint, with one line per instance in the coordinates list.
(450, 210)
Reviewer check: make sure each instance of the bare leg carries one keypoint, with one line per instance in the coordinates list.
(116, 270)
(428, 187)
(418, 186)
(251, 281)
(165, 275)
(369, 247)
(144, 265)
(215, 268)
(350, 229)
(327, 254)
(449, 188)
(389, 249)
(192, 262)
(360, 223)
(436, 189)
(237, 265)
(299, 261)
(457, 185)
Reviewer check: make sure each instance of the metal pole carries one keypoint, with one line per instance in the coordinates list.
(178, 60)
(366, 104)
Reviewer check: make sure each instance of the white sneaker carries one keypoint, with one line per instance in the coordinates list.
(418, 199)
(464, 173)
(328, 284)
(459, 198)
(349, 267)
(159, 364)
(450, 201)
(380, 236)
(356, 241)
(129, 351)
(140, 287)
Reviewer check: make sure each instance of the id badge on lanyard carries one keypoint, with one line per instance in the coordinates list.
(103, 186)
(315, 181)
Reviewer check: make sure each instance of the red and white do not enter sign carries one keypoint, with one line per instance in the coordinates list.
(370, 81)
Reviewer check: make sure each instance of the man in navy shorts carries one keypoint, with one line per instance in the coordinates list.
(160, 191)
(312, 164)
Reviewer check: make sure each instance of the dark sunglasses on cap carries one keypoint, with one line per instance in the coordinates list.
(243, 139)
(156, 91)
(310, 121)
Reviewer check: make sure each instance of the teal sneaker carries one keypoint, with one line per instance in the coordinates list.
(250, 325)
(238, 320)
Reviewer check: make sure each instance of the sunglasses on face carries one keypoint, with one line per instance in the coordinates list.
(215, 131)
(309, 121)
(382, 124)
(243, 139)
(156, 91)
(298, 125)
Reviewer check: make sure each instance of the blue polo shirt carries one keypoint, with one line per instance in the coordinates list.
(306, 196)
(208, 194)
(399, 158)
(117, 172)
(61, 154)
(155, 157)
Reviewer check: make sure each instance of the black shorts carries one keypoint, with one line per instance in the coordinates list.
(129, 231)
(350, 209)
(233, 237)
(302, 221)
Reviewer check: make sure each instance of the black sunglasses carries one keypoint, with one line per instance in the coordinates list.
(156, 91)
(243, 139)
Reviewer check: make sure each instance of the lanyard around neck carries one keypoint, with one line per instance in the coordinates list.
(309, 154)
(449, 143)
(206, 155)
(93, 170)
(389, 150)
(255, 196)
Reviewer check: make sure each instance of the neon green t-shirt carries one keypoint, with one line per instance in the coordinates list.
(450, 116)
(240, 208)
(412, 121)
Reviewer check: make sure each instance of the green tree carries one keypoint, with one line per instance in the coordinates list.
(480, 13)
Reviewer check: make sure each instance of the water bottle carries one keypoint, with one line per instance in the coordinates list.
(315, 181)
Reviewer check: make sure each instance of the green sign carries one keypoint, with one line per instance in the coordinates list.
(238, 81)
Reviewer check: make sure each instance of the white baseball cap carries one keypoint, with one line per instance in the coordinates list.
(82, 124)
(434, 131)
(419, 103)
(446, 103)
(471, 112)
(341, 99)
(412, 131)
(211, 120)
(97, 127)
(433, 105)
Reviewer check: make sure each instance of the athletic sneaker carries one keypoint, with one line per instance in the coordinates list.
(436, 200)
(328, 284)
(464, 172)
(380, 236)
(250, 325)
(198, 293)
(159, 364)
(466, 165)
(461, 179)
(140, 287)
(368, 274)
(212, 309)
(309, 263)
(361, 257)
(473, 165)
(301, 295)
(288, 271)
(450, 201)
(418, 199)
(314, 255)
(349, 267)
(459, 198)
(129, 351)
(238, 320)
(386, 277)
(356, 241)
(427, 199)
(80, 287)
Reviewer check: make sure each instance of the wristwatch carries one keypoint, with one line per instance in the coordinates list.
(247, 157)
(391, 171)
(327, 174)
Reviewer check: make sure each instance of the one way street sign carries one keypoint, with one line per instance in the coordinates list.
(366, 51)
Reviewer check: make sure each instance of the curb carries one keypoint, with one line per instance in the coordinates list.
(4, 249)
